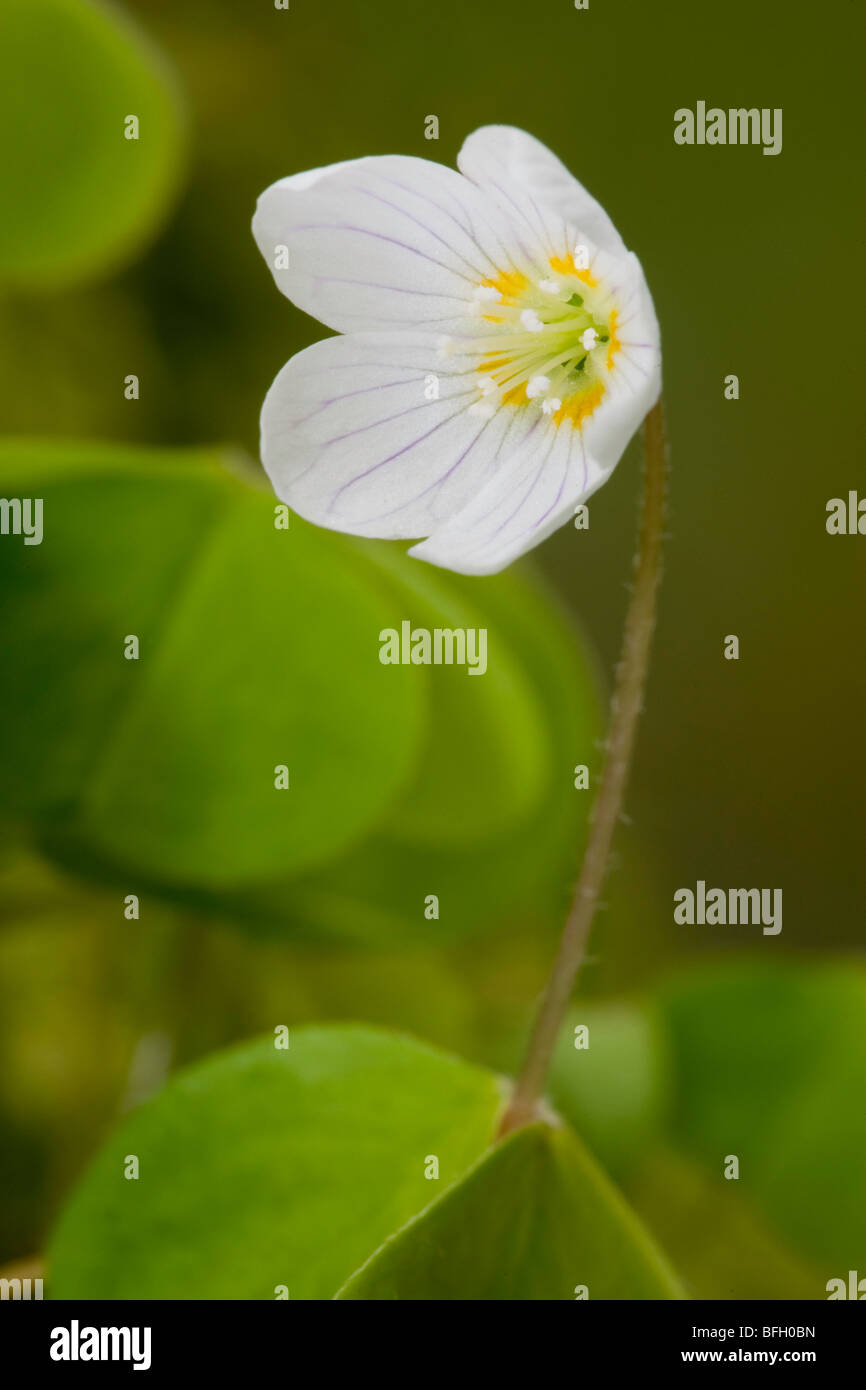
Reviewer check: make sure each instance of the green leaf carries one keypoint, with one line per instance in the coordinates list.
(523, 876)
(720, 1243)
(535, 1219)
(488, 759)
(258, 648)
(79, 196)
(771, 1064)
(264, 1167)
(66, 1043)
(614, 1090)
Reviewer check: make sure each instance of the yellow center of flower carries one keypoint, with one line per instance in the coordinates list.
(552, 341)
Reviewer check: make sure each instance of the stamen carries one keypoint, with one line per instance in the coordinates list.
(564, 372)
(537, 385)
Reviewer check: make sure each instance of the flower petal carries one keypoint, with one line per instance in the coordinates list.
(524, 176)
(533, 493)
(352, 441)
(540, 482)
(633, 381)
(383, 243)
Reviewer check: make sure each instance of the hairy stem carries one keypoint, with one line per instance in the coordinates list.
(626, 705)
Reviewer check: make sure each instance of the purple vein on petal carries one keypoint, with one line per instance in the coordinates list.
(348, 395)
(390, 459)
(374, 424)
(379, 236)
(395, 207)
(393, 289)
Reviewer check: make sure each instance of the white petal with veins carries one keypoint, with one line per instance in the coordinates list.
(524, 174)
(534, 491)
(384, 242)
(514, 348)
(350, 440)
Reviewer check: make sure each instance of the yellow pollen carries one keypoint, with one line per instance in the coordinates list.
(509, 283)
(615, 343)
(574, 386)
(516, 396)
(581, 406)
(564, 265)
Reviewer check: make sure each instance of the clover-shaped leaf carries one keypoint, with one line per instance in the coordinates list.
(91, 140)
(270, 1171)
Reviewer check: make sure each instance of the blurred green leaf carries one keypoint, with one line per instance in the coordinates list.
(719, 1241)
(79, 196)
(258, 648)
(615, 1090)
(66, 1039)
(263, 1167)
(524, 876)
(488, 756)
(535, 1219)
(771, 1066)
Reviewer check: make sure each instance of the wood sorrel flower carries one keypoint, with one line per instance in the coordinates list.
(499, 348)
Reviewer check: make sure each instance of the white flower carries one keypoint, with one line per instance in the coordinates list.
(485, 383)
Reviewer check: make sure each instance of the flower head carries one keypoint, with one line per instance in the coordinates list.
(499, 348)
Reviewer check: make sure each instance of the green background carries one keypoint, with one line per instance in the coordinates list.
(748, 773)
(755, 264)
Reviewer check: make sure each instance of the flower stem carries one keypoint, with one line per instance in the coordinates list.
(626, 705)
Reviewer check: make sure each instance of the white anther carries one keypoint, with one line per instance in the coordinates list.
(530, 320)
(589, 338)
(486, 385)
(551, 405)
(485, 409)
(488, 292)
(549, 286)
(537, 385)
